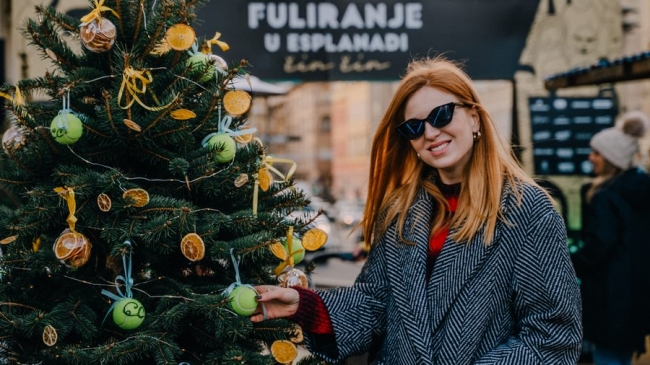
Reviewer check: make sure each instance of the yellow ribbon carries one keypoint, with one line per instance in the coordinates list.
(96, 13)
(16, 99)
(265, 168)
(289, 260)
(215, 40)
(68, 195)
(130, 80)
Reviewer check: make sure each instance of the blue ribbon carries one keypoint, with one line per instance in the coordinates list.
(235, 264)
(126, 279)
(224, 128)
(229, 289)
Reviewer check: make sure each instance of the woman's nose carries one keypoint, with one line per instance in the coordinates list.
(430, 132)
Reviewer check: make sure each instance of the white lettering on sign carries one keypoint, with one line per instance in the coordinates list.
(314, 42)
(313, 27)
(326, 16)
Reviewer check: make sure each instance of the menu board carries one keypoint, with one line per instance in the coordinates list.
(561, 131)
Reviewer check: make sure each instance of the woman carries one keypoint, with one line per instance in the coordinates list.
(613, 264)
(468, 261)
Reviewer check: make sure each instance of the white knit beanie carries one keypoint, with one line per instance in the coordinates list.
(619, 144)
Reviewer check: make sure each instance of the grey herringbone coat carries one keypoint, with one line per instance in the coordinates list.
(513, 302)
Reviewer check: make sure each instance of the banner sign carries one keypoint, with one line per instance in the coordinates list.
(368, 40)
(562, 129)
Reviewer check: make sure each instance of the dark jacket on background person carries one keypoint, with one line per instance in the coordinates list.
(614, 264)
(514, 302)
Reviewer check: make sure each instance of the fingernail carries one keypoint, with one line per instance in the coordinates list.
(258, 297)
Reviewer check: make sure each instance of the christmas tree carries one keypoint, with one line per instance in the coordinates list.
(146, 206)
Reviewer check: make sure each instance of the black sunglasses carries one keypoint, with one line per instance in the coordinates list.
(439, 117)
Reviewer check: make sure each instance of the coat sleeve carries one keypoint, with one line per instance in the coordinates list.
(546, 301)
(358, 313)
(600, 233)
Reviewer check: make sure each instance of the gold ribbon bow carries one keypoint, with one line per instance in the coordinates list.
(135, 82)
(16, 99)
(215, 40)
(288, 261)
(96, 13)
(264, 177)
(68, 195)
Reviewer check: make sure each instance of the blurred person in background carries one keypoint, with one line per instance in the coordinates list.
(468, 260)
(614, 262)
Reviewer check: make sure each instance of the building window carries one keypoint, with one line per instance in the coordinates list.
(325, 124)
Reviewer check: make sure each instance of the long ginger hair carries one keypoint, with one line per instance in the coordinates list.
(396, 173)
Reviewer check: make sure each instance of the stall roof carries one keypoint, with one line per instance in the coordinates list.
(627, 68)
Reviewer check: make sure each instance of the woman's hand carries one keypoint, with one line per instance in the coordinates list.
(278, 302)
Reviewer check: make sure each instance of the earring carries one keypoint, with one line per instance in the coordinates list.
(477, 136)
(419, 158)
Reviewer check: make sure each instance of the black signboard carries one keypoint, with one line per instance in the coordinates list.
(368, 40)
(562, 129)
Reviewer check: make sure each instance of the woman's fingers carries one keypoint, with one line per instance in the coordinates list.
(274, 302)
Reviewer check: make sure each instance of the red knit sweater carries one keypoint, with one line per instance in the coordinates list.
(312, 313)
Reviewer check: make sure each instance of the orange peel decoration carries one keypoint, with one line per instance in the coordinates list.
(264, 174)
(135, 82)
(96, 13)
(68, 195)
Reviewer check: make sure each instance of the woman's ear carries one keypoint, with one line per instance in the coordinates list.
(476, 126)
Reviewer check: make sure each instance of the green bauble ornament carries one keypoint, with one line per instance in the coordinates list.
(198, 62)
(298, 252)
(66, 128)
(242, 300)
(128, 313)
(229, 147)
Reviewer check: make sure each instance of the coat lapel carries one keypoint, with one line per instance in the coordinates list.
(408, 286)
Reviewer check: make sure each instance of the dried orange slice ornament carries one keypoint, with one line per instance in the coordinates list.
(241, 180)
(298, 337)
(49, 335)
(244, 138)
(314, 239)
(278, 250)
(237, 102)
(284, 351)
(192, 247)
(180, 37)
(265, 178)
(139, 197)
(182, 114)
(132, 125)
(104, 202)
(67, 245)
(72, 247)
(8, 240)
(36, 244)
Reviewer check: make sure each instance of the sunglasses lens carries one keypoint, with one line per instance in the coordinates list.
(443, 117)
(439, 117)
(411, 129)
